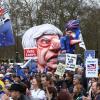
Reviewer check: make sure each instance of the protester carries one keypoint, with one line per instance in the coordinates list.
(77, 92)
(16, 91)
(51, 90)
(77, 79)
(1, 81)
(64, 94)
(93, 90)
(36, 90)
(1, 91)
(6, 95)
(69, 80)
(97, 97)
(43, 81)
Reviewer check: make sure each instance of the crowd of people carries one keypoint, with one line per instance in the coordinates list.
(47, 86)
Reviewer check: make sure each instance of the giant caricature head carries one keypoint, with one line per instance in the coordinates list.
(46, 38)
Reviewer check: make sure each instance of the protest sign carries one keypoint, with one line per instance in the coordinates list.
(89, 54)
(71, 61)
(60, 69)
(30, 53)
(91, 68)
(62, 58)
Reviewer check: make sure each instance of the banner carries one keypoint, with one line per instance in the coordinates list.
(71, 61)
(60, 69)
(91, 68)
(30, 53)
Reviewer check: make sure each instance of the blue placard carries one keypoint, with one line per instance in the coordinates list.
(89, 54)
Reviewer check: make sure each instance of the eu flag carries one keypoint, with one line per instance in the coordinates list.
(6, 34)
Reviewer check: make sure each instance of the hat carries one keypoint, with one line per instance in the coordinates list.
(16, 87)
(72, 24)
(1, 75)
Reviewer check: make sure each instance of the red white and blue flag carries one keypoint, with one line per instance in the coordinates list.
(6, 33)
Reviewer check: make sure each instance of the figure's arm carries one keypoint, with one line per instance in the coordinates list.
(72, 42)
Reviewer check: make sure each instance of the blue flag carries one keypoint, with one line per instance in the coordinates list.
(31, 64)
(6, 34)
(19, 71)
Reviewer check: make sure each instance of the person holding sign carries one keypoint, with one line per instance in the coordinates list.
(45, 38)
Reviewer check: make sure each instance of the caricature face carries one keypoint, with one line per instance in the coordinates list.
(48, 47)
(73, 34)
(70, 33)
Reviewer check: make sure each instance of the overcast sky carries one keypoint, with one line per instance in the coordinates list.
(88, 1)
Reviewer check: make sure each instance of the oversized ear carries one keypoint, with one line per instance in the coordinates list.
(72, 42)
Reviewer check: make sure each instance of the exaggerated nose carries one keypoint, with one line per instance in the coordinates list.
(55, 44)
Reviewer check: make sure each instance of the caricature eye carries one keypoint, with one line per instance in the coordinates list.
(44, 42)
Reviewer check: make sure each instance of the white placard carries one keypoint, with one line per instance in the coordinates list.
(71, 61)
(91, 68)
(60, 69)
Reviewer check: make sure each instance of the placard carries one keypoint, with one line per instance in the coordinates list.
(60, 69)
(71, 61)
(62, 58)
(30, 53)
(91, 68)
(89, 54)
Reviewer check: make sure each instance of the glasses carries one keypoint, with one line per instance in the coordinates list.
(44, 42)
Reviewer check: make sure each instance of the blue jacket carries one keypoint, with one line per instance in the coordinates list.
(65, 44)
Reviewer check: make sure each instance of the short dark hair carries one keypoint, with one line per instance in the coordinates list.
(17, 87)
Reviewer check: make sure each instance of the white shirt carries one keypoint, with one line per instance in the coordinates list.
(38, 94)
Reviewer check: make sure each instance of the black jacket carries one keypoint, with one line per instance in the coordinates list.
(24, 97)
(97, 96)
